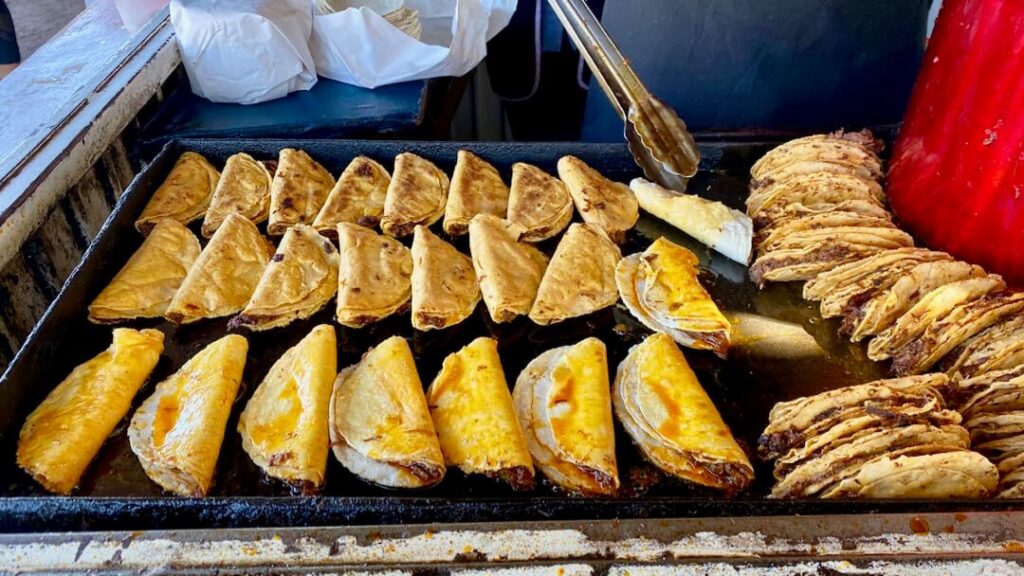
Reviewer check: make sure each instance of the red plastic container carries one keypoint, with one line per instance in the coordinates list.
(957, 175)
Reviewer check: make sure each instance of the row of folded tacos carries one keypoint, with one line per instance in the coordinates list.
(374, 276)
(297, 190)
(379, 422)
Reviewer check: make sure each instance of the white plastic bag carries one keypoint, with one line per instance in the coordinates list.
(245, 51)
(360, 47)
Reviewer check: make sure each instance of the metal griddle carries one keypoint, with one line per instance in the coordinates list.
(116, 494)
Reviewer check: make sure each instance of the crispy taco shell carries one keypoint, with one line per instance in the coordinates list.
(145, 286)
(301, 279)
(941, 475)
(417, 195)
(377, 281)
(476, 188)
(357, 197)
(996, 348)
(608, 205)
(184, 196)
(299, 189)
(538, 202)
(930, 308)
(580, 278)
(950, 331)
(225, 275)
(243, 189)
(444, 285)
(880, 310)
(509, 271)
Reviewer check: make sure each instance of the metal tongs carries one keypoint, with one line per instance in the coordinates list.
(657, 137)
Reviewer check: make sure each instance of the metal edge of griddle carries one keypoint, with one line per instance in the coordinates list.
(750, 541)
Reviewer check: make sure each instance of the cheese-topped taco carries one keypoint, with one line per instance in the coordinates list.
(380, 425)
(667, 413)
(563, 402)
(284, 424)
(65, 432)
(177, 432)
(476, 424)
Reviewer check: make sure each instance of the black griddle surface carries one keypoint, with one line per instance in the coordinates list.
(115, 493)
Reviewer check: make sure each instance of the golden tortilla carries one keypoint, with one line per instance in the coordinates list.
(580, 278)
(225, 275)
(509, 271)
(611, 206)
(284, 424)
(671, 418)
(417, 195)
(183, 196)
(538, 202)
(563, 402)
(146, 284)
(444, 286)
(660, 288)
(358, 197)
(177, 432)
(243, 189)
(378, 276)
(380, 424)
(66, 431)
(476, 188)
(299, 190)
(301, 279)
(473, 414)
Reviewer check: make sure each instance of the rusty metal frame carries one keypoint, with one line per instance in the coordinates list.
(952, 542)
(36, 179)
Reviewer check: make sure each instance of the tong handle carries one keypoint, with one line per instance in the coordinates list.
(616, 77)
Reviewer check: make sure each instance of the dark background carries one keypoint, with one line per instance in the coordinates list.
(725, 65)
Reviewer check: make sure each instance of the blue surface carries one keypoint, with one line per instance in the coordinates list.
(767, 64)
(329, 110)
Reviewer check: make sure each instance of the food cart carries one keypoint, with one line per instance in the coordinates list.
(74, 192)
